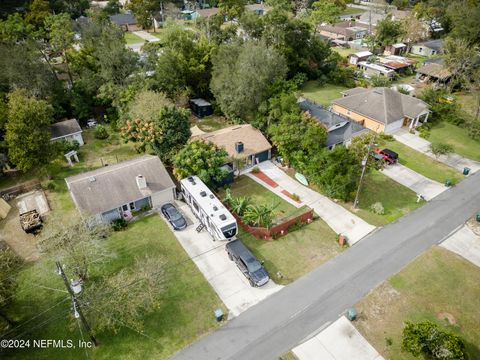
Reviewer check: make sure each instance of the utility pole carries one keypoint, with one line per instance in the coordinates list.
(76, 305)
(364, 164)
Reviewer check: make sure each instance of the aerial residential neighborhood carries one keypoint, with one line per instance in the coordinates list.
(240, 179)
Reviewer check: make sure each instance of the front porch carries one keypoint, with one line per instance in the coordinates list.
(413, 123)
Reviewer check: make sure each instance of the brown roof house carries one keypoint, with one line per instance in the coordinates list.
(117, 191)
(381, 109)
(347, 31)
(245, 145)
(434, 72)
(67, 130)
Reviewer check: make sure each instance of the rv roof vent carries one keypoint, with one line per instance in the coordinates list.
(211, 196)
(191, 179)
(92, 179)
(223, 217)
(215, 208)
(203, 194)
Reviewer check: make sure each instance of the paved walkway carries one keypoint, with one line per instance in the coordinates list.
(464, 243)
(224, 276)
(336, 216)
(454, 160)
(339, 341)
(414, 181)
(146, 36)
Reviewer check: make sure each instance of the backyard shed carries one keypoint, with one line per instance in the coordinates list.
(120, 190)
(200, 107)
(359, 56)
(67, 130)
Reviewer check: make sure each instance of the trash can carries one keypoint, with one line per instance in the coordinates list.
(466, 171)
(218, 314)
(478, 217)
(448, 183)
(351, 314)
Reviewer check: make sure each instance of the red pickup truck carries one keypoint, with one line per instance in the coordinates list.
(387, 155)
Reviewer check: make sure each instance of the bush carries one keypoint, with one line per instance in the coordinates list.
(377, 208)
(51, 185)
(387, 137)
(119, 224)
(296, 226)
(380, 81)
(440, 149)
(424, 132)
(295, 197)
(101, 132)
(474, 130)
(256, 170)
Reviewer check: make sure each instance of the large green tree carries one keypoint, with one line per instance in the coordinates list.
(387, 32)
(10, 264)
(242, 74)
(185, 64)
(38, 11)
(232, 8)
(144, 10)
(27, 131)
(200, 158)
(326, 11)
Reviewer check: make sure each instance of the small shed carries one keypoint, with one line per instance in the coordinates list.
(67, 130)
(126, 21)
(200, 107)
(371, 69)
(395, 49)
(354, 59)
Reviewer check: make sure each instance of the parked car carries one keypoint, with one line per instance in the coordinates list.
(247, 263)
(174, 217)
(387, 155)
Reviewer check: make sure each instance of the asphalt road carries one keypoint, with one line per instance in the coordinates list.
(297, 312)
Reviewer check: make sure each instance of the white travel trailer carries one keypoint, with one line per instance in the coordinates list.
(218, 221)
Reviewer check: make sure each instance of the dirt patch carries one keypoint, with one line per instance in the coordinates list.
(474, 225)
(447, 317)
(23, 244)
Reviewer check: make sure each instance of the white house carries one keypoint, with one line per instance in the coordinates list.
(117, 191)
(67, 130)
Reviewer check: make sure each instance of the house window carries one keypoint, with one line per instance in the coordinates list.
(195, 205)
(125, 207)
(132, 206)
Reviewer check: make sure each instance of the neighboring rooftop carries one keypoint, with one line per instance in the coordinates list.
(340, 129)
(383, 104)
(112, 186)
(208, 12)
(436, 45)
(65, 128)
(362, 54)
(253, 140)
(257, 7)
(437, 71)
(123, 19)
(200, 102)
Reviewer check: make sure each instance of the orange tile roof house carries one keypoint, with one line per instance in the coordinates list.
(381, 109)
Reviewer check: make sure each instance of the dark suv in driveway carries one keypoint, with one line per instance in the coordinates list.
(247, 263)
(387, 155)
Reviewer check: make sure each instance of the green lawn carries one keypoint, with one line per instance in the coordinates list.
(396, 199)
(423, 164)
(294, 254)
(211, 123)
(322, 95)
(352, 10)
(244, 186)
(343, 51)
(185, 313)
(131, 38)
(458, 138)
(94, 154)
(436, 286)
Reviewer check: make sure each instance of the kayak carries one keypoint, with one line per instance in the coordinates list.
(301, 179)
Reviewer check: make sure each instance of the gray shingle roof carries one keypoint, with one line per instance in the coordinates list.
(123, 19)
(112, 186)
(65, 128)
(340, 129)
(436, 45)
(383, 104)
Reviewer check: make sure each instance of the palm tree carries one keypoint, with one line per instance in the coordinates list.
(240, 204)
(261, 215)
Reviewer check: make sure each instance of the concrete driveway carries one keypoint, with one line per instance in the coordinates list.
(336, 216)
(339, 341)
(414, 181)
(222, 274)
(454, 160)
(146, 36)
(465, 243)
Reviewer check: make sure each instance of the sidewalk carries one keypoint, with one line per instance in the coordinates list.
(453, 160)
(337, 217)
(146, 36)
(465, 243)
(339, 341)
(414, 181)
